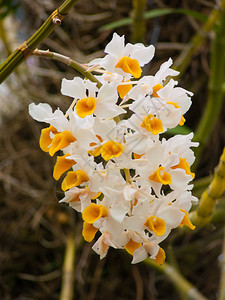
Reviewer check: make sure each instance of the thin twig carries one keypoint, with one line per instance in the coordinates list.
(69, 62)
(26, 49)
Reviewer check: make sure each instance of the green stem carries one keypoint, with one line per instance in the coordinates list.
(181, 283)
(138, 20)
(185, 57)
(68, 270)
(204, 212)
(69, 62)
(26, 49)
(216, 96)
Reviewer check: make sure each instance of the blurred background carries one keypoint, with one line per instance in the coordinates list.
(33, 226)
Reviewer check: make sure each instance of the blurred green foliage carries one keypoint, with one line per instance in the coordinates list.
(7, 7)
(155, 13)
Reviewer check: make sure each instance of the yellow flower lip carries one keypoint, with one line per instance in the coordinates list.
(95, 152)
(186, 221)
(152, 124)
(156, 224)
(183, 164)
(155, 89)
(182, 121)
(129, 65)
(160, 257)
(62, 165)
(94, 212)
(131, 246)
(110, 150)
(60, 141)
(45, 139)
(174, 104)
(137, 156)
(89, 231)
(86, 106)
(74, 178)
(124, 89)
(161, 176)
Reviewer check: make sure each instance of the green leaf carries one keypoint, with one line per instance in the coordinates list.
(161, 12)
(155, 13)
(179, 130)
(116, 24)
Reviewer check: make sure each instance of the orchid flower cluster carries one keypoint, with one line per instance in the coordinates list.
(131, 186)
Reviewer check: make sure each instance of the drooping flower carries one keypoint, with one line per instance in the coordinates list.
(131, 186)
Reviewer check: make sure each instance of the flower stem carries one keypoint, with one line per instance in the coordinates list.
(182, 284)
(216, 95)
(139, 21)
(68, 61)
(68, 270)
(127, 175)
(26, 49)
(204, 212)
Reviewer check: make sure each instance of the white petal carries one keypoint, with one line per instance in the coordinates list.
(134, 223)
(99, 249)
(108, 94)
(108, 111)
(139, 255)
(143, 54)
(184, 102)
(40, 112)
(109, 62)
(184, 200)
(91, 87)
(118, 212)
(169, 115)
(165, 71)
(152, 249)
(115, 46)
(96, 61)
(138, 142)
(171, 215)
(129, 192)
(180, 179)
(85, 137)
(167, 92)
(74, 88)
(104, 128)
